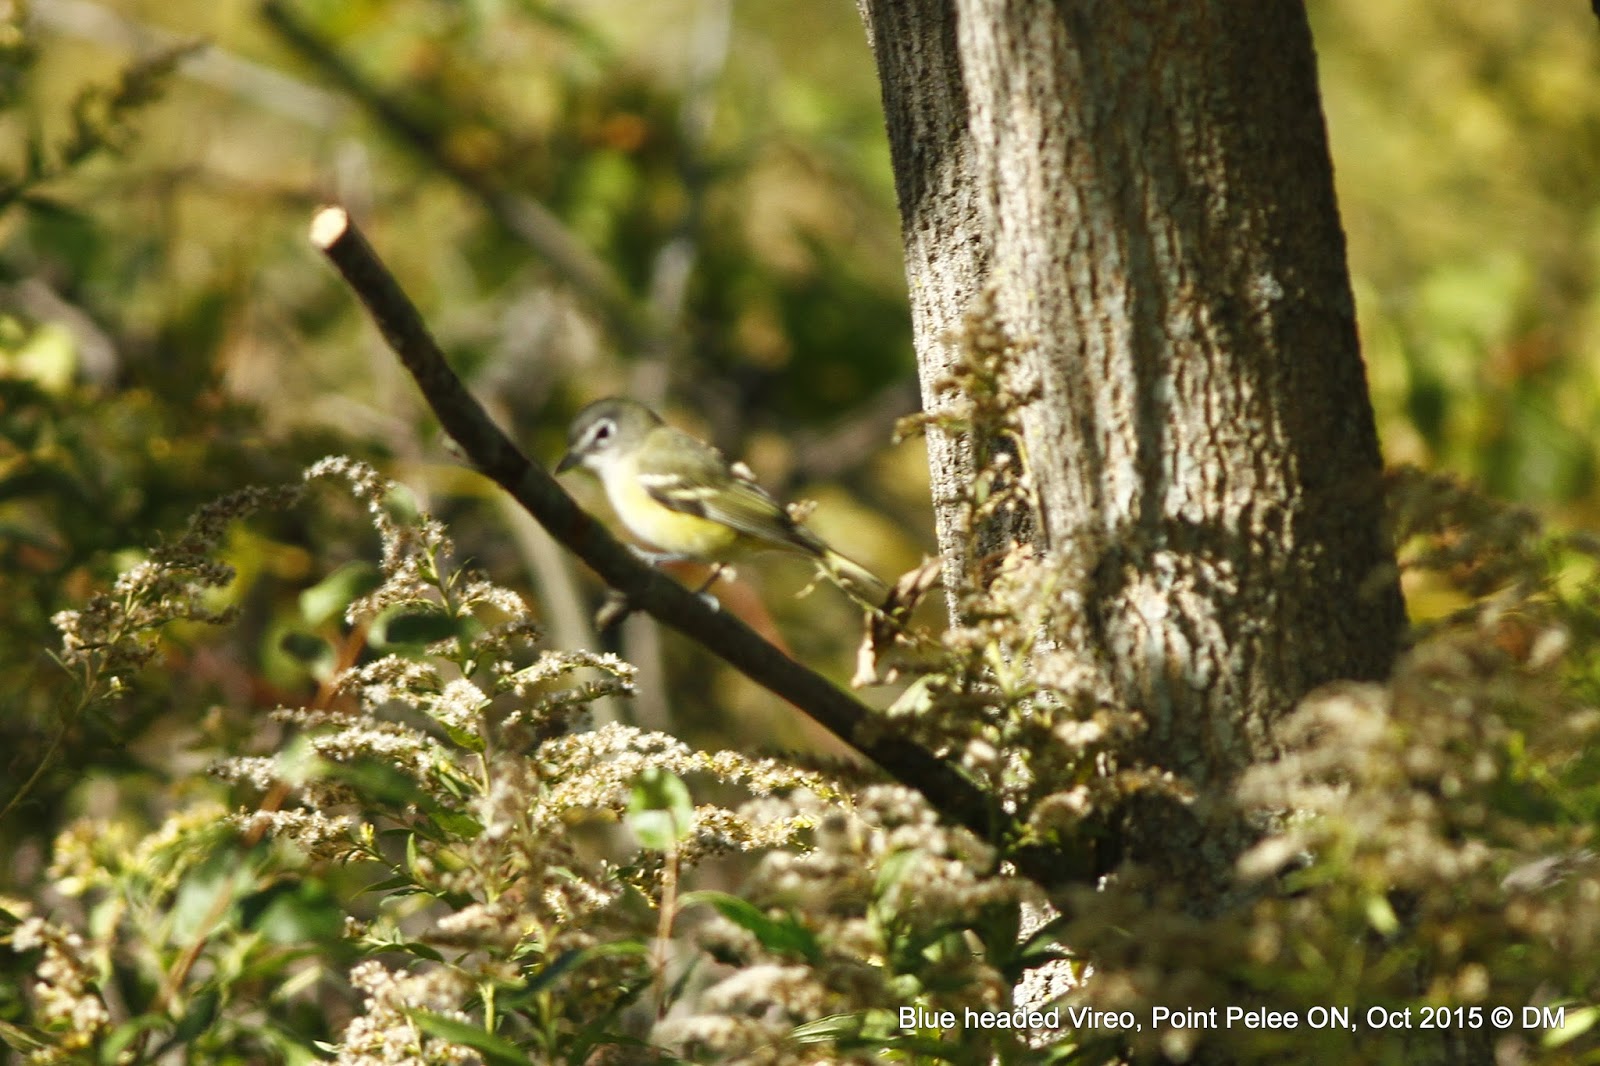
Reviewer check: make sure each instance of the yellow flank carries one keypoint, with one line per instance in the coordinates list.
(658, 525)
(680, 498)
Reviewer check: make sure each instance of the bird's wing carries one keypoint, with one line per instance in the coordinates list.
(697, 480)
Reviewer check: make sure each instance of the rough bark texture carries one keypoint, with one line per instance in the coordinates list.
(1149, 188)
(944, 221)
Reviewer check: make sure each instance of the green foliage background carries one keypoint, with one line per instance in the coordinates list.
(167, 333)
(1464, 142)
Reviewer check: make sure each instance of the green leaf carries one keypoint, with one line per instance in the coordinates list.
(380, 783)
(413, 626)
(456, 824)
(390, 884)
(401, 505)
(784, 936)
(875, 1028)
(200, 1016)
(417, 948)
(834, 1027)
(19, 1039)
(916, 699)
(568, 961)
(1577, 1022)
(123, 1035)
(293, 912)
(1381, 916)
(494, 1049)
(470, 741)
(224, 874)
(545, 977)
(892, 871)
(328, 598)
(998, 926)
(660, 810)
(49, 357)
(307, 649)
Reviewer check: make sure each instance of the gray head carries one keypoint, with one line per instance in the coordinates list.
(605, 429)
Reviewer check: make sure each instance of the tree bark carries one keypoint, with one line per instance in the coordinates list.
(944, 225)
(1148, 189)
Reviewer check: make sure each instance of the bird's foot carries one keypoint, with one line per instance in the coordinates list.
(655, 558)
(612, 612)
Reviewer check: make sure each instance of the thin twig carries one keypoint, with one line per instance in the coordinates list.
(494, 454)
(215, 66)
(829, 453)
(630, 322)
(45, 763)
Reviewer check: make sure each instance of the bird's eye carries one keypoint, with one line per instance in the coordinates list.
(602, 432)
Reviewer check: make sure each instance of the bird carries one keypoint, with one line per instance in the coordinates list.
(687, 503)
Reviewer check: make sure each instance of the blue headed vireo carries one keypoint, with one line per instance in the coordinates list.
(678, 495)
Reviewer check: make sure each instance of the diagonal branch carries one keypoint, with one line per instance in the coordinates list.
(946, 788)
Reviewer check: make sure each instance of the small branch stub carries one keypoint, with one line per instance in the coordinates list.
(328, 225)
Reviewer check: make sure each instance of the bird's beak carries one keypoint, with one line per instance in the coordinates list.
(568, 461)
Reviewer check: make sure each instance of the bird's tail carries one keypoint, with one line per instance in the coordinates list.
(857, 582)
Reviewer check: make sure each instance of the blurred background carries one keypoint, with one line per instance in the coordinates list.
(689, 201)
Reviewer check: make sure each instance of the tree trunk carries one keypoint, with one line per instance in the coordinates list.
(1148, 189)
(944, 222)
